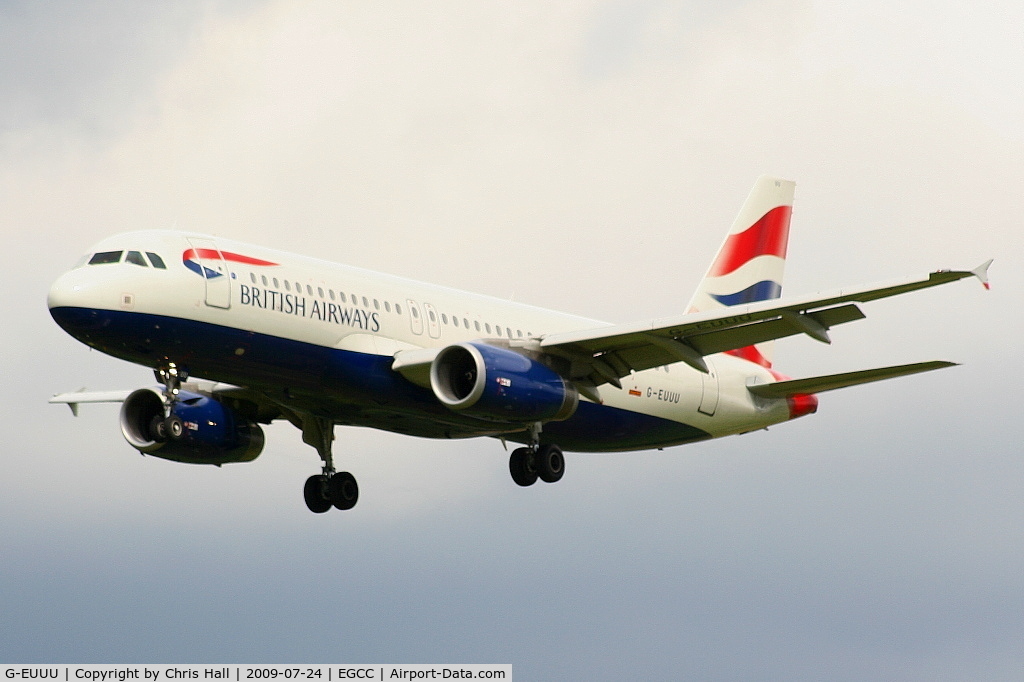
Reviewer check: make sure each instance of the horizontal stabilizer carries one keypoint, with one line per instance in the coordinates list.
(787, 389)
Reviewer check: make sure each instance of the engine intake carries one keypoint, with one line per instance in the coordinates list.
(500, 384)
(213, 433)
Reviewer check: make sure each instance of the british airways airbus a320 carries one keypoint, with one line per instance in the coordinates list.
(280, 336)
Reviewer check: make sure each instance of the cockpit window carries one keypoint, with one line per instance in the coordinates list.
(135, 258)
(156, 260)
(104, 257)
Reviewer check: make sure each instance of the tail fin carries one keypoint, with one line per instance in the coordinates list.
(750, 264)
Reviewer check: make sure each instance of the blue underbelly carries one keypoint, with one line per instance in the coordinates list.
(353, 388)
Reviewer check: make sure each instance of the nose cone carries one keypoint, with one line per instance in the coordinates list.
(63, 293)
(74, 304)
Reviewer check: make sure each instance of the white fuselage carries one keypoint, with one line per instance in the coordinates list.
(258, 301)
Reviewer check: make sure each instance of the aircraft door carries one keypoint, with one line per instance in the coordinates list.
(415, 316)
(210, 263)
(709, 390)
(433, 322)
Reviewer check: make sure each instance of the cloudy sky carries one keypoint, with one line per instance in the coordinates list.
(585, 156)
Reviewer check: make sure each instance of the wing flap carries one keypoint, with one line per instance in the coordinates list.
(709, 343)
(792, 387)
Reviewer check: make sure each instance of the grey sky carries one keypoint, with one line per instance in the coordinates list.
(586, 157)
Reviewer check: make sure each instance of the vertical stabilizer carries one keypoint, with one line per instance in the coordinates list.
(751, 262)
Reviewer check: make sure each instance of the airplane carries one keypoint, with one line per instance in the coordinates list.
(281, 336)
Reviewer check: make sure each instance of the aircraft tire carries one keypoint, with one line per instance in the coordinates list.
(313, 491)
(550, 463)
(174, 427)
(343, 490)
(158, 429)
(519, 466)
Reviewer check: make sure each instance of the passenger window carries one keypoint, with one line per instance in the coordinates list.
(488, 326)
(476, 323)
(366, 304)
(252, 276)
(519, 333)
(330, 292)
(104, 257)
(508, 330)
(444, 318)
(309, 290)
(455, 321)
(264, 277)
(415, 313)
(387, 306)
(156, 260)
(398, 309)
(341, 294)
(465, 323)
(135, 258)
(287, 286)
(276, 285)
(320, 290)
(376, 304)
(433, 317)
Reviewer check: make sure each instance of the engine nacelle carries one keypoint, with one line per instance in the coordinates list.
(213, 433)
(500, 384)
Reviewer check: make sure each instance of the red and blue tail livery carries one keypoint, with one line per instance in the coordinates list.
(263, 335)
(751, 262)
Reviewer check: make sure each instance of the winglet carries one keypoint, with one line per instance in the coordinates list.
(981, 272)
(71, 404)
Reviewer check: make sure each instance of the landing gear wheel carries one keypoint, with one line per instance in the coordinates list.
(313, 491)
(520, 465)
(550, 463)
(157, 429)
(343, 490)
(174, 427)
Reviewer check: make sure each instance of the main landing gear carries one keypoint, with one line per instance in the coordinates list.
(330, 488)
(545, 462)
(168, 426)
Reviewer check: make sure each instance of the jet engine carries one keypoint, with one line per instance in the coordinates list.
(200, 429)
(499, 384)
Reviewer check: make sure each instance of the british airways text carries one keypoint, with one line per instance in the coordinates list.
(292, 304)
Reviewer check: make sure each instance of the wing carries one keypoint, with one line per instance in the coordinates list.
(75, 398)
(81, 396)
(605, 354)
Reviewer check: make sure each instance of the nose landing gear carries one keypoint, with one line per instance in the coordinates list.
(168, 426)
